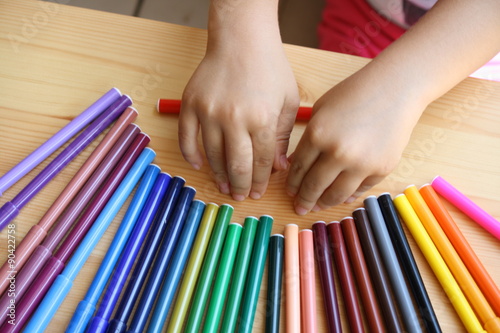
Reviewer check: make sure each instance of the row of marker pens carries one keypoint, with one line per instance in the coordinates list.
(41, 269)
(177, 263)
(379, 280)
(164, 234)
(388, 256)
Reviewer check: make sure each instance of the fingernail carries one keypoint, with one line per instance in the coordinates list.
(238, 197)
(255, 195)
(350, 199)
(224, 188)
(300, 210)
(290, 192)
(316, 208)
(196, 166)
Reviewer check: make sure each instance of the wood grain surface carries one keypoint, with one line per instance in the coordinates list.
(56, 60)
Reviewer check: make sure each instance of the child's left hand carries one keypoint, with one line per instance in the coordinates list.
(354, 139)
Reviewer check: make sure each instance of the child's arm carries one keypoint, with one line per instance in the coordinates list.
(243, 97)
(360, 128)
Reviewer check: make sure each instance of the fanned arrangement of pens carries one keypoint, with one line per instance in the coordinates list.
(177, 264)
(379, 279)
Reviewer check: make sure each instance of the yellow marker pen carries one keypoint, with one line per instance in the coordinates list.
(437, 265)
(485, 313)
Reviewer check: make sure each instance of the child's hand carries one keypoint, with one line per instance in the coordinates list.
(355, 138)
(243, 97)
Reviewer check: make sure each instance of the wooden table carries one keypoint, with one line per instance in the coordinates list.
(55, 60)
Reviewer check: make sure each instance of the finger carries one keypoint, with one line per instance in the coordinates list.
(341, 188)
(213, 142)
(318, 178)
(301, 161)
(367, 184)
(188, 129)
(239, 157)
(285, 125)
(263, 155)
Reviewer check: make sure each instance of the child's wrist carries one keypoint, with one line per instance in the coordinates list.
(397, 84)
(242, 21)
(244, 39)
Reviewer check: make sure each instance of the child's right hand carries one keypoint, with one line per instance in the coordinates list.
(244, 97)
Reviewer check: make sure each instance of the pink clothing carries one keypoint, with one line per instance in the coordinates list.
(354, 27)
(490, 71)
